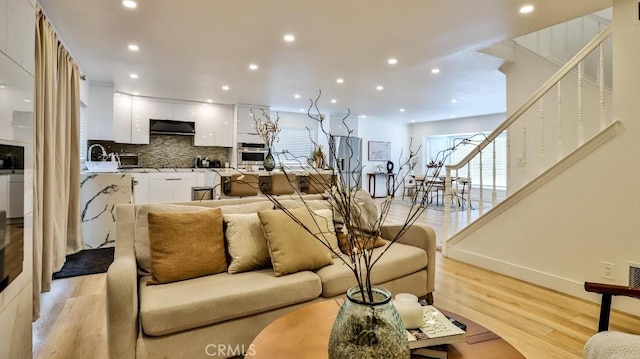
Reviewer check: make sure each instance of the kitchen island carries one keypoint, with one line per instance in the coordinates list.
(100, 193)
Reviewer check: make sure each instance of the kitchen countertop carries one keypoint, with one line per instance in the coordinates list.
(154, 170)
(10, 172)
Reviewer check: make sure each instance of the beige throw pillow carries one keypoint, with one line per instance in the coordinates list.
(291, 247)
(186, 245)
(246, 244)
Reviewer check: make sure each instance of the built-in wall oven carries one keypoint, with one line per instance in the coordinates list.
(251, 154)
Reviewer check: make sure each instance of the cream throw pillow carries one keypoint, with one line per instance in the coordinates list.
(291, 248)
(246, 244)
(186, 245)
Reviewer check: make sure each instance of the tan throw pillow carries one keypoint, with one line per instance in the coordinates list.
(363, 242)
(186, 245)
(291, 247)
(246, 244)
(143, 253)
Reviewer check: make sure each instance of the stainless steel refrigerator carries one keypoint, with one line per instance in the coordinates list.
(348, 153)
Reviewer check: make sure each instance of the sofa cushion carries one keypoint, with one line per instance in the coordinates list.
(252, 207)
(400, 260)
(291, 247)
(143, 253)
(246, 243)
(202, 301)
(186, 245)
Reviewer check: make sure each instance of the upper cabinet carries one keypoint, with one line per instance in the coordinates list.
(214, 126)
(100, 112)
(141, 110)
(184, 112)
(245, 118)
(122, 104)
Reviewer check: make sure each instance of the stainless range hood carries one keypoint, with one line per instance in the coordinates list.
(170, 127)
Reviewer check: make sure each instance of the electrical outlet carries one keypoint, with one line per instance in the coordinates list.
(608, 270)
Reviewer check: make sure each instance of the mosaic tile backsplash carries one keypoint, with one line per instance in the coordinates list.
(167, 151)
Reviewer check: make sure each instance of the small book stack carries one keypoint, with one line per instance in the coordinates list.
(437, 332)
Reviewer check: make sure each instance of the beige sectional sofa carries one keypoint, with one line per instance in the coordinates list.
(219, 315)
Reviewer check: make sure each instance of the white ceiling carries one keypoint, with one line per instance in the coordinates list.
(189, 49)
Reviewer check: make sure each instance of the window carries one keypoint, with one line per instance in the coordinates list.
(435, 144)
(83, 134)
(298, 142)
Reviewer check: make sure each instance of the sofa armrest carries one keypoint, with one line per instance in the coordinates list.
(122, 306)
(420, 236)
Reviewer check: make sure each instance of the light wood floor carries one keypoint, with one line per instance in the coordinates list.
(540, 323)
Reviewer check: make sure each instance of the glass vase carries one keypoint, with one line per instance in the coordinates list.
(368, 330)
(269, 162)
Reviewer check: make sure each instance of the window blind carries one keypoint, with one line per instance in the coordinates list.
(298, 142)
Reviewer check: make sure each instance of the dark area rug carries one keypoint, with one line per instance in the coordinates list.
(88, 261)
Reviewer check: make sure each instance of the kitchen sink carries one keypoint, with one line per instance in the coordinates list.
(102, 166)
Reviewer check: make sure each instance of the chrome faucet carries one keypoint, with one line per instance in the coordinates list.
(104, 151)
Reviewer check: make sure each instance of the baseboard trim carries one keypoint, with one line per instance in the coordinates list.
(547, 280)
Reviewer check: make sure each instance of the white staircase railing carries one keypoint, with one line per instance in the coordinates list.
(563, 109)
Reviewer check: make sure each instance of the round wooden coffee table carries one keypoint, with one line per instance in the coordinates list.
(304, 334)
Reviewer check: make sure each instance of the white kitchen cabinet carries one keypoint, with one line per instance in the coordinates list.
(140, 114)
(159, 110)
(4, 193)
(140, 187)
(184, 112)
(122, 117)
(100, 112)
(214, 126)
(246, 123)
(171, 187)
(199, 179)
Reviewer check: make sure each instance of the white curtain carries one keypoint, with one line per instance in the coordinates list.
(56, 208)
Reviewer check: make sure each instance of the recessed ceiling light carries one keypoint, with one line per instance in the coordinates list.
(133, 47)
(379, 88)
(134, 93)
(130, 4)
(392, 61)
(412, 121)
(296, 96)
(453, 116)
(435, 71)
(1, 87)
(340, 80)
(27, 100)
(253, 67)
(289, 38)
(302, 110)
(453, 100)
(333, 100)
(193, 113)
(402, 110)
(526, 9)
(134, 76)
(363, 116)
(209, 100)
(225, 88)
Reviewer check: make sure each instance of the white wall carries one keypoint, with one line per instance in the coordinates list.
(381, 130)
(558, 236)
(528, 157)
(467, 125)
(17, 68)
